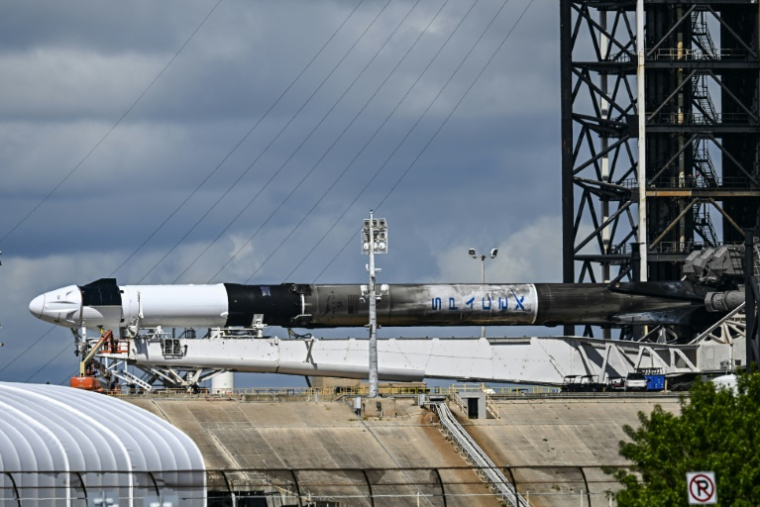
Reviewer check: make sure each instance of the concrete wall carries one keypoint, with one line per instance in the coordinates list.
(557, 431)
(544, 441)
(553, 436)
(233, 434)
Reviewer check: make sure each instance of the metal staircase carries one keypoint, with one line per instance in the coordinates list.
(703, 164)
(702, 101)
(703, 104)
(700, 35)
(703, 224)
(127, 378)
(488, 470)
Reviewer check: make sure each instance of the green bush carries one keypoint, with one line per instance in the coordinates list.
(718, 430)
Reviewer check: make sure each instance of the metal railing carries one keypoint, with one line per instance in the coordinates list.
(670, 247)
(677, 247)
(491, 407)
(698, 54)
(700, 119)
(498, 481)
(698, 181)
(501, 390)
(458, 401)
(328, 393)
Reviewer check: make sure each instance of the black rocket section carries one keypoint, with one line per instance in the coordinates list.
(630, 303)
(277, 303)
(408, 305)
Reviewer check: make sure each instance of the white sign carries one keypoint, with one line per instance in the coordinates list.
(701, 488)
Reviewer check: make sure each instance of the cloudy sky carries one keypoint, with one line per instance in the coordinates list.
(198, 141)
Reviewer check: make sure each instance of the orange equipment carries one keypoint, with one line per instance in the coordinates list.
(86, 379)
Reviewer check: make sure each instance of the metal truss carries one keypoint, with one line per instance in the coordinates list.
(598, 82)
(112, 365)
(113, 369)
(684, 129)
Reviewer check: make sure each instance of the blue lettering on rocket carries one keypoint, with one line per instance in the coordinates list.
(483, 303)
(452, 304)
(519, 301)
(470, 302)
(437, 304)
(504, 304)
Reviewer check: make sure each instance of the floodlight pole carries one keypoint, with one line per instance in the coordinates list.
(474, 254)
(372, 312)
(483, 281)
(374, 240)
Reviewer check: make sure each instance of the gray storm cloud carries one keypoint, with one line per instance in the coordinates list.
(491, 176)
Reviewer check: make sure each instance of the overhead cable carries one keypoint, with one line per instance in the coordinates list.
(56, 356)
(38, 340)
(435, 134)
(279, 170)
(92, 150)
(29, 347)
(234, 149)
(108, 132)
(334, 143)
(398, 145)
(372, 137)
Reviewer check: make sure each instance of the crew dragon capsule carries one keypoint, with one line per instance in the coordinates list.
(105, 304)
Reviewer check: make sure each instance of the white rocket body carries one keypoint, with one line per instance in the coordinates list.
(149, 305)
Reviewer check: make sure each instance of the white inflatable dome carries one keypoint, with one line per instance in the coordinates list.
(68, 447)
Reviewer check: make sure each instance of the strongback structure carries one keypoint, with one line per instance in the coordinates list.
(700, 133)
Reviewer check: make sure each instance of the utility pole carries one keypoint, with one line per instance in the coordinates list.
(374, 240)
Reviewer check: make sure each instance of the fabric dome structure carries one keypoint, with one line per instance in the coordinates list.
(64, 446)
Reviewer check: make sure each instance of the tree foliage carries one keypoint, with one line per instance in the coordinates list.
(718, 430)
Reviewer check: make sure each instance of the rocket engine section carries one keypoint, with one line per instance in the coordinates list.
(104, 303)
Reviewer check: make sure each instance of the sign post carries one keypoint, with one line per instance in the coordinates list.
(701, 488)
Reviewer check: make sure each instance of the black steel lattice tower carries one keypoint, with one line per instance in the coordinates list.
(701, 97)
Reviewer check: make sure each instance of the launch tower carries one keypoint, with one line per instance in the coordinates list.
(700, 130)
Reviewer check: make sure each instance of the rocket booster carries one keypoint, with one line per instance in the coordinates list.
(104, 303)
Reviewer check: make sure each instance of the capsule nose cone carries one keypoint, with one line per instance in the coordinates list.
(37, 306)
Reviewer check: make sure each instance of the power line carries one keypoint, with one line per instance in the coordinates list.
(82, 161)
(64, 349)
(38, 340)
(129, 109)
(398, 146)
(445, 121)
(425, 147)
(379, 128)
(215, 169)
(290, 157)
(145, 91)
(250, 238)
(239, 143)
(250, 166)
